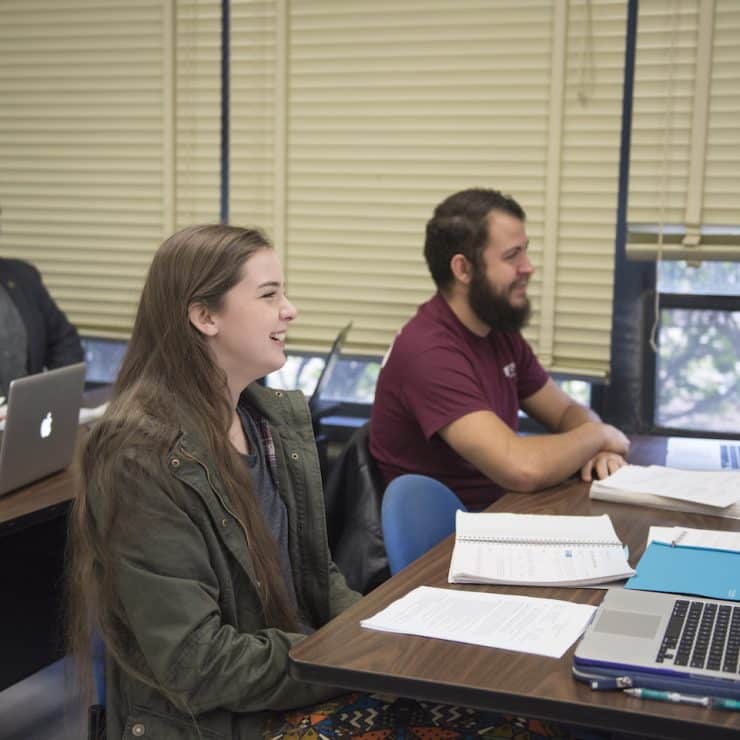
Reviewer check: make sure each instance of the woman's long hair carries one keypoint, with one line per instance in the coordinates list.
(168, 381)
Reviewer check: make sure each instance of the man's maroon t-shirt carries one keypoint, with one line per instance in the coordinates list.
(436, 372)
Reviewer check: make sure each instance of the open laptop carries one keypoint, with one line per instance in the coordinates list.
(317, 406)
(646, 639)
(40, 425)
(703, 454)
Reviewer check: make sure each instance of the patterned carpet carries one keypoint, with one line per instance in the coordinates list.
(375, 717)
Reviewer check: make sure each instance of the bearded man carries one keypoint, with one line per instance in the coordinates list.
(452, 384)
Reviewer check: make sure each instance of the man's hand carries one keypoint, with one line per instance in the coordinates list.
(604, 464)
(615, 440)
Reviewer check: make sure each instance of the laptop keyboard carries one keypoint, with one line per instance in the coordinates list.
(702, 634)
(730, 456)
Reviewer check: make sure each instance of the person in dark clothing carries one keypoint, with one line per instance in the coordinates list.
(34, 333)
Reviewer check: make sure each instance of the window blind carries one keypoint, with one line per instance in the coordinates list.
(91, 155)
(82, 132)
(685, 158)
(381, 110)
(197, 112)
(256, 160)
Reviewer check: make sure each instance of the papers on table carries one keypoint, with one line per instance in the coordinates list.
(689, 453)
(715, 493)
(522, 623)
(536, 550)
(700, 562)
(88, 415)
(699, 571)
(714, 539)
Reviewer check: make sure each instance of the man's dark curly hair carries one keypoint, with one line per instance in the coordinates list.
(460, 226)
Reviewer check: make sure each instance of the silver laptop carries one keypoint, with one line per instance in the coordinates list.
(317, 405)
(40, 425)
(703, 454)
(645, 639)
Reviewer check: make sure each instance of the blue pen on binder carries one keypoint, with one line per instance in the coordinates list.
(679, 536)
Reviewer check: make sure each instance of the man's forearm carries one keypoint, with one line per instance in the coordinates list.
(541, 461)
(532, 462)
(576, 415)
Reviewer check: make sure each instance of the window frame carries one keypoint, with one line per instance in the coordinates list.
(685, 301)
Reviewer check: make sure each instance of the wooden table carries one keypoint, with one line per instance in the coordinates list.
(345, 655)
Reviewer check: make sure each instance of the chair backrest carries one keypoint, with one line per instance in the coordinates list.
(352, 494)
(96, 712)
(417, 513)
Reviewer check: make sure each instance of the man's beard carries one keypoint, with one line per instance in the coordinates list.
(493, 308)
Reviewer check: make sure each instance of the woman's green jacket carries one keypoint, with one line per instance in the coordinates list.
(187, 586)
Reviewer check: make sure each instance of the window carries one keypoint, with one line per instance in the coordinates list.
(578, 390)
(682, 205)
(352, 381)
(697, 367)
(103, 359)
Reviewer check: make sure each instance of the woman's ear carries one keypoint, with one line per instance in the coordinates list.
(202, 319)
(461, 268)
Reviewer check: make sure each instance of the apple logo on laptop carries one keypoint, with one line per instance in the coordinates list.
(45, 430)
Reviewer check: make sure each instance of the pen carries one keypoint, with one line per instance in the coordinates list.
(678, 537)
(732, 704)
(671, 696)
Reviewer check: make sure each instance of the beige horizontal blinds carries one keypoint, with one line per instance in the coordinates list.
(588, 186)
(391, 107)
(685, 160)
(383, 109)
(256, 105)
(84, 92)
(197, 112)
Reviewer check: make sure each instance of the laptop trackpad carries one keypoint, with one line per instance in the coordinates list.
(627, 623)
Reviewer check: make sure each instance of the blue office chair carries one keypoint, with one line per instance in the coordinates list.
(96, 712)
(417, 512)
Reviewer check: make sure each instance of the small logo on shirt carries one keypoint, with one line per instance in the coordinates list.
(510, 370)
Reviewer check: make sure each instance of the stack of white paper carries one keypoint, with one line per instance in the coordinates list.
(689, 453)
(536, 550)
(713, 539)
(716, 493)
(522, 623)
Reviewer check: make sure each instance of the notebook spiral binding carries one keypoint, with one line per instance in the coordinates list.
(541, 541)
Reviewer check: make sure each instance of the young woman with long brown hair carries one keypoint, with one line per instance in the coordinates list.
(197, 540)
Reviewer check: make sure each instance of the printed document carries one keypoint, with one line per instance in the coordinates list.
(710, 488)
(521, 623)
(689, 453)
(536, 550)
(713, 539)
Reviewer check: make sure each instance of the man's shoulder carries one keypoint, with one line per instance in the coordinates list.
(514, 340)
(427, 331)
(424, 345)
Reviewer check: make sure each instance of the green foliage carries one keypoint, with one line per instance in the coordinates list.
(699, 370)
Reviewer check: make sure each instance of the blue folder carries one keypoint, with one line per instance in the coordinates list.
(698, 571)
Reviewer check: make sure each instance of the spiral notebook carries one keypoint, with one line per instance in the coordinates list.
(537, 550)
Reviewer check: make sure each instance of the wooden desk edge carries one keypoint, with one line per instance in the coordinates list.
(588, 715)
(646, 718)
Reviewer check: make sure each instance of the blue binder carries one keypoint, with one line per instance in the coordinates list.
(698, 571)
